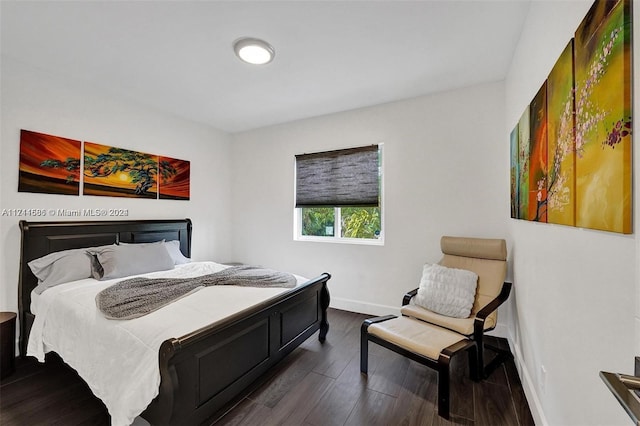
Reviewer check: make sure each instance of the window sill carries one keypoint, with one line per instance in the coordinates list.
(334, 240)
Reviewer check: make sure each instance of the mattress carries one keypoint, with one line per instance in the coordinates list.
(119, 358)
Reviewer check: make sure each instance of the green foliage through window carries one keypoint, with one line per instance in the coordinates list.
(360, 222)
(356, 222)
(318, 221)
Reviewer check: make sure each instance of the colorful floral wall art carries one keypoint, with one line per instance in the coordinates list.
(603, 117)
(538, 156)
(49, 164)
(523, 165)
(561, 140)
(514, 173)
(581, 119)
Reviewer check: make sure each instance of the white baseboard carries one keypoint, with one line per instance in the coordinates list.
(527, 384)
(363, 307)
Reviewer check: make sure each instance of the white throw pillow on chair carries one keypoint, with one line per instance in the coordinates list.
(447, 291)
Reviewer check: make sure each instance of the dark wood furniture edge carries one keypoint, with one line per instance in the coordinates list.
(7, 343)
(410, 295)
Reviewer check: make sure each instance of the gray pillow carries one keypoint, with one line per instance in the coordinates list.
(130, 259)
(173, 248)
(61, 267)
(447, 291)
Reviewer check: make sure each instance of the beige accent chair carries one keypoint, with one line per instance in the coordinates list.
(431, 338)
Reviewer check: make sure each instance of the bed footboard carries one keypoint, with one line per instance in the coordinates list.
(203, 371)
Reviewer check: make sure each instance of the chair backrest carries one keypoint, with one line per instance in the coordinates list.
(484, 256)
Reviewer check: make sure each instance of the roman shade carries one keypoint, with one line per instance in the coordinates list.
(345, 177)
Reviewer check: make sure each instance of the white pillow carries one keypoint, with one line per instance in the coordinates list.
(447, 291)
(173, 247)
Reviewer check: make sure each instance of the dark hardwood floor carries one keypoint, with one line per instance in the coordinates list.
(317, 384)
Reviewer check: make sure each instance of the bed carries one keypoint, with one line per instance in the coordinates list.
(192, 387)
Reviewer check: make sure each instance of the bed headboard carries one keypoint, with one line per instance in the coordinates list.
(42, 238)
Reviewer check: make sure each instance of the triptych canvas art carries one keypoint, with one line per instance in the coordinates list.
(571, 149)
(51, 164)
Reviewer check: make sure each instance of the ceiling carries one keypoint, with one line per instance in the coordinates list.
(330, 55)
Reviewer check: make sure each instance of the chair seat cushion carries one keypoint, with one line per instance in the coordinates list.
(415, 336)
(459, 325)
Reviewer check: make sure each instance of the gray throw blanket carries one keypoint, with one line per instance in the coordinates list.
(139, 296)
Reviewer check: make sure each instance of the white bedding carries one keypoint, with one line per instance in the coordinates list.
(119, 358)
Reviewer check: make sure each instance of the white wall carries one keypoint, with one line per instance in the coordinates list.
(443, 175)
(35, 100)
(575, 289)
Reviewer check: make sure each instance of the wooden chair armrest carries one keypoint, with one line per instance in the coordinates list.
(407, 297)
(483, 313)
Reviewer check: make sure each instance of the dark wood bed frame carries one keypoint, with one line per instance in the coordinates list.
(203, 372)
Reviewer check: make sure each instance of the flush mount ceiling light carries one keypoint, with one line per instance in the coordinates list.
(254, 51)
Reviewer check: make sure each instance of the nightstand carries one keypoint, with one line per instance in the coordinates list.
(7, 343)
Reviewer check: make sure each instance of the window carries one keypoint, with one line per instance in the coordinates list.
(338, 196)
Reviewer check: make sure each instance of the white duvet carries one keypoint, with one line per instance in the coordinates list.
(119, 358)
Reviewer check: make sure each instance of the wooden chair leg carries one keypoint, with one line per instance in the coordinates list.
(364, 351)
(443, 386)
(474, 368)
(502, 356)
(364, 340)
(480, 355)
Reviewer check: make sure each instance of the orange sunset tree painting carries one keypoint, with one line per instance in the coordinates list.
(174, 178)
(117, 172)
(49, 164)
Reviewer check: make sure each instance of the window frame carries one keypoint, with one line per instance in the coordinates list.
(337, 238)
